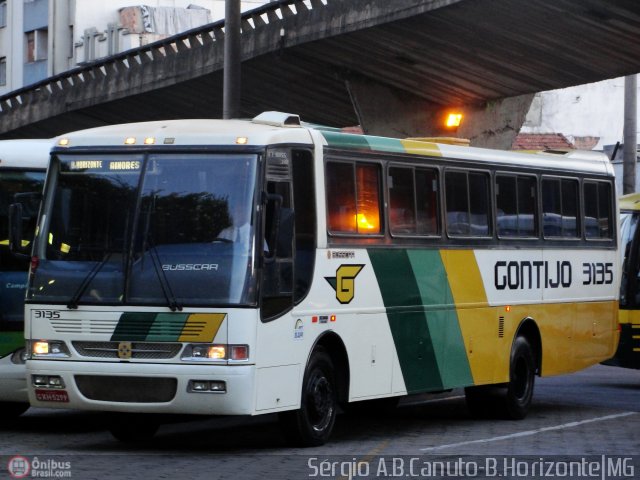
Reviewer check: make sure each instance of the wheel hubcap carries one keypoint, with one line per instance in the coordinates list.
(320, 402)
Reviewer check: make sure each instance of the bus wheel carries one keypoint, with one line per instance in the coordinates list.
(521, 380)
(312, 424)
(510, 400)
(132, 428)
(11, 410)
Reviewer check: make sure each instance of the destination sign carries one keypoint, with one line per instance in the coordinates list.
(104, 165)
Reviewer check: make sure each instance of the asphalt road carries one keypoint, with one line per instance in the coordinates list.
(585, 425)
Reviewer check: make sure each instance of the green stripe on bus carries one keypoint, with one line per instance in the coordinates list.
(409, 326)
(167, 327)
(133, 326)
(442, 319)
(10, 342)
(383, 144)
(150, 326)
(343, 140)
(363, 142)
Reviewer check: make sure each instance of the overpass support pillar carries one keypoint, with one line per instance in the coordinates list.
(386, 111)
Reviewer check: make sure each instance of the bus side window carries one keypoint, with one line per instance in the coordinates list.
(467, 201)
(597, 210)
(304, 201)
(277, 277)
(560, 207)
(353, 198)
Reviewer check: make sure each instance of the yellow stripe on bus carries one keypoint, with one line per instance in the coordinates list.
(564, 327)
(202, 327)
(421, 148)
(474, 315)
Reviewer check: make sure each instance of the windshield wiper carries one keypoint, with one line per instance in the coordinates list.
(172, 302)
(165, 286)
(73, 302)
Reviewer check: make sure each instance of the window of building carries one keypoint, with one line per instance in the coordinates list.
(36, 45)
(560, 207)
(353, 198)
(3, 70)
(413, 201)
(467, 197)
(516, 202)
(597, 210)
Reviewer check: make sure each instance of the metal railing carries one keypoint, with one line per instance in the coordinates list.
(270, 14)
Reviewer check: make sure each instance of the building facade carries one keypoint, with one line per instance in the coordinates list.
(41, 38)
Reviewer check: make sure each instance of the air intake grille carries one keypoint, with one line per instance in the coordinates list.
(277, 171)
(127, 389)
(139, 350)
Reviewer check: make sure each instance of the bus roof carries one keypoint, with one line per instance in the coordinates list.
(32, 153)
(584, 161)
(272, 128)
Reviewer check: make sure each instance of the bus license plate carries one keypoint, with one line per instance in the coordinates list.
(52, 396)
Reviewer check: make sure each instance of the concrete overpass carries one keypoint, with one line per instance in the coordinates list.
(392, 66)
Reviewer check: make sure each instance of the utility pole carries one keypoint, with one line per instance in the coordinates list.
(630, 134)
(231, 79)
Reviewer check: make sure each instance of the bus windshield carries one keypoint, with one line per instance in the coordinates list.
(167, 229)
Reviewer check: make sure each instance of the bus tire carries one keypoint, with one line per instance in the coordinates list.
(11, 410)
(312, 424)
(522, 374)
(510, 400)
(132, 428)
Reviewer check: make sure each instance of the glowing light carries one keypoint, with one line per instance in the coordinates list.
(242, 140)
(130, 141)
(41, 348)
(149, 141)
(363, 223)
(63, 142)
(453, 120)
(217, 351)
(507, 308)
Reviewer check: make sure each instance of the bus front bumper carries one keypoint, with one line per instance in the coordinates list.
(148, 388)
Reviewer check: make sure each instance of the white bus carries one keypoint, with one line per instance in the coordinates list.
(251, 267)
(22, 169)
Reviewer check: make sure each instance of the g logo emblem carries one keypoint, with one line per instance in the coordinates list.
(344, 283)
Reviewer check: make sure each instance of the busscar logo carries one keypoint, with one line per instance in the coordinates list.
(344, 283)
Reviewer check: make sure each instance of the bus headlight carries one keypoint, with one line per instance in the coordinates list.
(49, 349)
(204, 352)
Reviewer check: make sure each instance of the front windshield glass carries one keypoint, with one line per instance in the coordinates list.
(166, 229)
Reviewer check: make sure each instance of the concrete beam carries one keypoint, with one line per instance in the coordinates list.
(385, 111)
